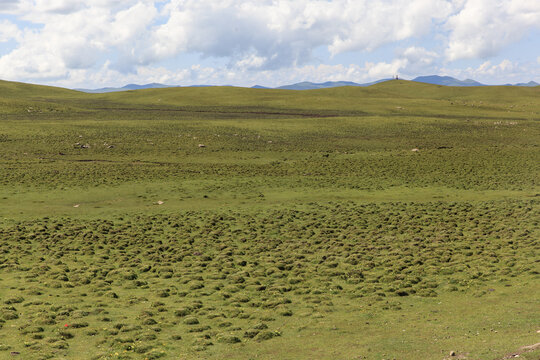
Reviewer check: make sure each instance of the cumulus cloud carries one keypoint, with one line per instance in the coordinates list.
(263, 34)
(483, 27)
(8, 4)
(66, 40)
(9, 31)
(420, 55)
(284, 33)
(367, 24)
(276, 34)
(63, 7)
(503, 72)
(488, 69)
(417, 61)
(77, 41)
(384, 69)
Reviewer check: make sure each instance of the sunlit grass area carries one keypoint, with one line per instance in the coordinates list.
(398, 221)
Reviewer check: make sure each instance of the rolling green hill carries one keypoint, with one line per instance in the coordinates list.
(398, 221)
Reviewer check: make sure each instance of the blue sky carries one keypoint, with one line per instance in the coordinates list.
(97, 43)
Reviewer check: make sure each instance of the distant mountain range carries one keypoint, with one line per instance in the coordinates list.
(530, 84)
(126, 88)
(306, 85)
(446, 81)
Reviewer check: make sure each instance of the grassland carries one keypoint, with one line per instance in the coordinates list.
(229, 223)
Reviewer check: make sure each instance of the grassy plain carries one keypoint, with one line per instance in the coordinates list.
(304, 228)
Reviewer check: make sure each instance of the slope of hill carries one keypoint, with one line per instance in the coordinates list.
(223, 95)
(21, 91)
(17, 97)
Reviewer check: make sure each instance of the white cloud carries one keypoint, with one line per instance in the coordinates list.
(414, 61)
(55, 6)
(251, 62)
(6, 5)
(284, 33)
(500, 73)
(487, 68)
(9, 31)
(483, 27)
(265, 34)
(420, 55)
(78, 41)
(385, 70)
(110, 41)
(368, 25)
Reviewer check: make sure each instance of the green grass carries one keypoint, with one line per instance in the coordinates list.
(304, 228)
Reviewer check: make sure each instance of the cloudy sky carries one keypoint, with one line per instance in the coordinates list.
(96, 43)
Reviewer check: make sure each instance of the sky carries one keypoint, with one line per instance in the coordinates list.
(98, 43)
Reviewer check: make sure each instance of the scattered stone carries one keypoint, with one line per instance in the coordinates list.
(202, 145)
(110, 147)
(76, 205)
(415, 150)
(452, 353)
(160, 202)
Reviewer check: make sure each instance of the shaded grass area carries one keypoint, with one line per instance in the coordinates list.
(237, 223)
